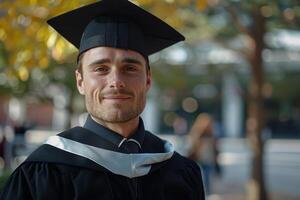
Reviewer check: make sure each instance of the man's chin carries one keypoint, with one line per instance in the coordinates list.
(116, 117)
(116, 106)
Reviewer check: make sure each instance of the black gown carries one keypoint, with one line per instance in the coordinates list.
(50, 173)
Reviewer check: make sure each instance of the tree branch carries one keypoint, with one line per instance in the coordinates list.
(235, 19)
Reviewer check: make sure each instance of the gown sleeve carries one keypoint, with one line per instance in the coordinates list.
(183, 179)
(37, 181)
(17, 186)
(194, 178)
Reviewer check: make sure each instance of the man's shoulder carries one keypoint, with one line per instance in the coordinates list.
(152, 136)
(34, 167)
(71, 131)
(181, 173)
(44, 149)
(180, 162)
(177, 160)
(152, 143)
(51, 155)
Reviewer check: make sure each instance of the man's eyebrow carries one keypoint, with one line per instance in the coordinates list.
(100, 61)
(132, 61)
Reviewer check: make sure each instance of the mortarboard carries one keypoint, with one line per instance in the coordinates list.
(115, 23)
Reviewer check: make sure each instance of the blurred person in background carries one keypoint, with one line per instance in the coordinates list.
(2, 146)
(112, 156)
(203, 147)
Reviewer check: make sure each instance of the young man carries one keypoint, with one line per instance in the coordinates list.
(112, 156)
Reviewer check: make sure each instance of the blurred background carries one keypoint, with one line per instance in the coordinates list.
(228, 97)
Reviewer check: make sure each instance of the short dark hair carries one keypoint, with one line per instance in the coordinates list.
(79, 63)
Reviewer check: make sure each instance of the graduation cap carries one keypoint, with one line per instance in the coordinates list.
(115, 23)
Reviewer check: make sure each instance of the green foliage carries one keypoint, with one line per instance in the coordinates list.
(4, 178)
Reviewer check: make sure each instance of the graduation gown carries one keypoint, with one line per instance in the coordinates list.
(52, 173)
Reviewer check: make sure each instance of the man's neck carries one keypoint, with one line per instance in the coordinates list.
(125, 129)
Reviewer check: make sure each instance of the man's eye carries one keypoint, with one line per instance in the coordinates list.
(131, 68)
(101, 69)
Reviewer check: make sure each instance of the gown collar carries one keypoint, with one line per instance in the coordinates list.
(129, 165)
(81, 147)
(116, 139)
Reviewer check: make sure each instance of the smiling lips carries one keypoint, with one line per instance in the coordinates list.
(120, 94)
(117, 97)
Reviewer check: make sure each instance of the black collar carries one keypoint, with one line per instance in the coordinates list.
(113, 137)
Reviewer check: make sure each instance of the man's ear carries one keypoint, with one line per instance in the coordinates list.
(79, 82)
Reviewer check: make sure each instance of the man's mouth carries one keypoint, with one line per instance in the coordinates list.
(117, 97)
(120, 95)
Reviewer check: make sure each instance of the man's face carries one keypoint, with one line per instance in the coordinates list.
(114, 83)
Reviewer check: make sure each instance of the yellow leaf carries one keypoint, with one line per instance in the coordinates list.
(175, 21)
(24, 55)
(23, 73)
(43, 62)
(163, 11)
(2, 34)
(12, 12)
(42, 34)
(58, 50)
(32, 2)
(201, 4)
(143, 2)
(184, 2)
(51, 40)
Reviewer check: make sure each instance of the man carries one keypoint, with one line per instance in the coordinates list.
(111, 156)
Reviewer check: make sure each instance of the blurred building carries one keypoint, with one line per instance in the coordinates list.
(221, 85)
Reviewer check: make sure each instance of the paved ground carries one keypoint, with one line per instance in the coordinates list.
(282, 166)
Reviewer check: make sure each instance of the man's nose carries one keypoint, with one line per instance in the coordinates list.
(116, 80)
